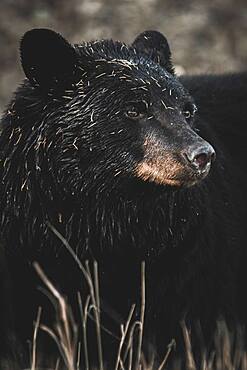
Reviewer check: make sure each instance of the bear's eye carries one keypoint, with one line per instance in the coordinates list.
(189, 111)
(136, 110)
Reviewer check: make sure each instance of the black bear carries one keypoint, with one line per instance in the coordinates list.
(104, 144)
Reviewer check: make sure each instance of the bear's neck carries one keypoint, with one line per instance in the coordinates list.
(145, 218)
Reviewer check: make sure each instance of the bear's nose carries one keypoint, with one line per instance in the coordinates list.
(201, 156)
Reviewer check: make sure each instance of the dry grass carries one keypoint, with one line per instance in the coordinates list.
(65, 331)
(227, 354)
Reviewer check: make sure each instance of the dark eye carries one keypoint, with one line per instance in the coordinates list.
(189, 111)
(136, 110)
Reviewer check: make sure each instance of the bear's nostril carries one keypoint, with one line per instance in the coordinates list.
(201, 160)
(201, 157)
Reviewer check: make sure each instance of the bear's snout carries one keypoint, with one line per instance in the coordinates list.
(184, 164)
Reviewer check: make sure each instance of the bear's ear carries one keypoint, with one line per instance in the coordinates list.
(48, 60)
(155, 45)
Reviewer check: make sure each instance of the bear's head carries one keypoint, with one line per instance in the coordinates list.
(100, 112)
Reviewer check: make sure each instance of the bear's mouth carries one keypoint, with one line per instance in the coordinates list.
(171, 172)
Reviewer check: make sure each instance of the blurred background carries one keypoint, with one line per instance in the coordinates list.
(205, 36)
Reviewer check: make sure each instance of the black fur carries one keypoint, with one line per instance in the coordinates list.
(69, 153)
